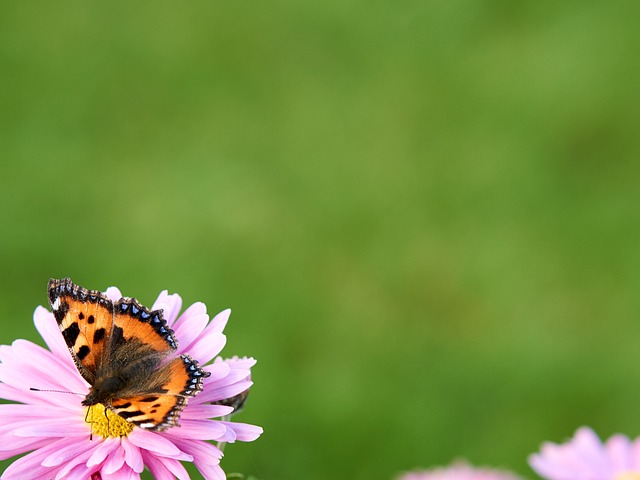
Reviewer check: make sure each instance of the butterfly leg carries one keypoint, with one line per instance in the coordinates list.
(86, 416)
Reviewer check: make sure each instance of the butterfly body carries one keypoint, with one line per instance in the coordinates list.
(127, 355)
(118, 381)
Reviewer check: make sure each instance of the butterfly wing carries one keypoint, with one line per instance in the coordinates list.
(125, 340)
(159, 400)
(136, 325)
(85, 318)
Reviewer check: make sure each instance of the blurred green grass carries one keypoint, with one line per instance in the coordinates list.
(423, 214)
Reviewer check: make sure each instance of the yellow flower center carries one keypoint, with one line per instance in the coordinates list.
(628, 476)
(107, 424)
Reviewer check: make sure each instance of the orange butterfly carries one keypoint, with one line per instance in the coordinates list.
(122, 349)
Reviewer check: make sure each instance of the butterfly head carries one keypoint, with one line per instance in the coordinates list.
(104, 390)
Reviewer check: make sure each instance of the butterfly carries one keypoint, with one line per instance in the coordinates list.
(124, 351)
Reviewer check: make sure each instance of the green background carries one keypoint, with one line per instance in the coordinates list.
(424, 214)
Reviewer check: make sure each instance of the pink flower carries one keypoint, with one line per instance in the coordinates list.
(459, 471)
(585, 457)
(52, 425)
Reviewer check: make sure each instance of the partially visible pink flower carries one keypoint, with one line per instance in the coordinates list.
(52, 425)
(459, 471)
(239, 366)
(585, 457)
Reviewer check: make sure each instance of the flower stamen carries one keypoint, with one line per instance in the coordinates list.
(628, 476)
(106, 423)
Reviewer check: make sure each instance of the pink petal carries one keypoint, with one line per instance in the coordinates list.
(113, 294)
(218, 322)
(54, 428)
(540, 465)
(125, 473)
(78, 466)
(189, 327)
(153, 442)
(48, 329)
(218, 371)
(582, 458)
(210, 472)
(78, 472)
(207, 346)
(175, 467)
(43, 370)
(205, 456)
(198, 430)
(215, 394)
(619, 452)
(30, 466)
(67, 453)
(14, 412)
(133, 456)
(114, 462)
(170, 306)
(591, 452)
(195, 310)
(245, 432)
(229, 436)
(235, 375)
(156, 467)
(103, 450)
(204, 451)
(8, 392)
(635, 454)
(12, 446)
(201, 411)
(45, 399)
(244, 363)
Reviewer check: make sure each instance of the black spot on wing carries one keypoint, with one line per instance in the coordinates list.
(70, 334)
(135, 413)
(61, 312)
(149, 399)
(117, 336)
(83, 352)
(91, 319)
(98, 335)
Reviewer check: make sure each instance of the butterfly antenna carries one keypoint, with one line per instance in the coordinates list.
(54, 391)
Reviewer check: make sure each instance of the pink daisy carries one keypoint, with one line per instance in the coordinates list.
(459, 471)
(52, 426)
(585, 457)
